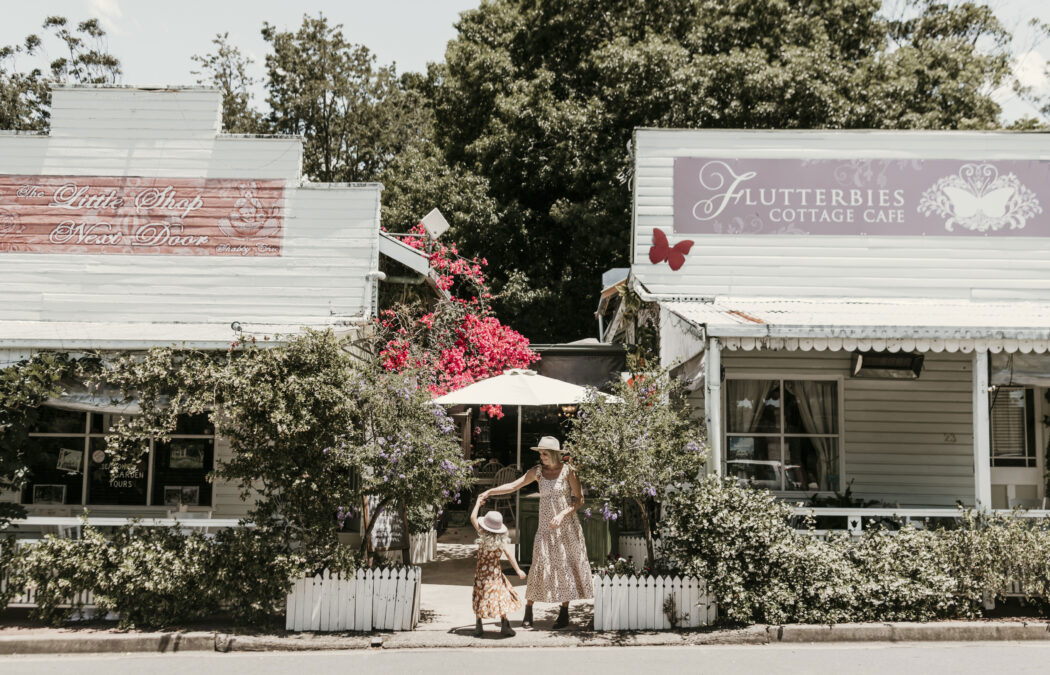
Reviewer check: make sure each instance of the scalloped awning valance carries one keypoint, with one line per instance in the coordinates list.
(821, 324)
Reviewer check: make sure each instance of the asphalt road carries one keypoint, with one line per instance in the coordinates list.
(855, 659)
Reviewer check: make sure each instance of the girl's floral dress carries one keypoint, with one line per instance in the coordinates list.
(493, 595)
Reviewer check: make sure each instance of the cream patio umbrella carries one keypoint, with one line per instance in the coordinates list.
(518, 387)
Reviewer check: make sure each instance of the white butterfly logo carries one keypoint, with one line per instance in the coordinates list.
(966, 204)
(980, 200)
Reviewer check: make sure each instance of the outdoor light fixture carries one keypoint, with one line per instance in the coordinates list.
(886, 365)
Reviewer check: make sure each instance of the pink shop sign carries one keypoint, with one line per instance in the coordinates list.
(123, 215)
(861, 197)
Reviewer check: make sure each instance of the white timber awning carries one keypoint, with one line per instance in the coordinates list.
(820, 324)
(412, 258)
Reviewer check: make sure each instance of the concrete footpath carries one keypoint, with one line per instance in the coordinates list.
(446, 620)
(103, 641)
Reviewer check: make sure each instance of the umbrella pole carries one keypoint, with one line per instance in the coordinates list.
(517, 499)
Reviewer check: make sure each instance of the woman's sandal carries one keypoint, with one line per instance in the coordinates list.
(527, 621)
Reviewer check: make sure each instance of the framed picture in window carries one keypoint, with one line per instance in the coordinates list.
(49, 494)
(186, 456)
(70, 460)
(172, 495)
(190, 495)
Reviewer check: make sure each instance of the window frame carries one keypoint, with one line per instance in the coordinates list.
(1030, 429)
(781, 377)
(87, 436)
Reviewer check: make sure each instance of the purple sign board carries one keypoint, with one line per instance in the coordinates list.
(861, 197)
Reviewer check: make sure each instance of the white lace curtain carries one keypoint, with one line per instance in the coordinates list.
(817, 403)
(747, 401)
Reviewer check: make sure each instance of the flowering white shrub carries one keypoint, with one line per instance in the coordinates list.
(760, 569)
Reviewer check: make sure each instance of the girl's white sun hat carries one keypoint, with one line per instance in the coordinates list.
(493, 522)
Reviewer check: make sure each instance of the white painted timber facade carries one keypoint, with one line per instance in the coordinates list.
(330, 243)
(318, 268)
(857, 306)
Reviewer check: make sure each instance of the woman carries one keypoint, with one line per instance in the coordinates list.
(560, 571)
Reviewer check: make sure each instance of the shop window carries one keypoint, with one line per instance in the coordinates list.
(68, 464)
(1013, 427)
(783, 434)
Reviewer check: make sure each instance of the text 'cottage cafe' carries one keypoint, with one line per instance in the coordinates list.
(134, 223)
(861, 311)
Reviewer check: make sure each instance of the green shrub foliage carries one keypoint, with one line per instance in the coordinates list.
(158, 577)
(760, 569)
(312, 429)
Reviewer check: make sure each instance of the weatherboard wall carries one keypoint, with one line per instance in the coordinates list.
(329, 244)
(906, 442)
(778, 265)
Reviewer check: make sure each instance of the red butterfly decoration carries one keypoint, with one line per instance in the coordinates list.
(674, 255)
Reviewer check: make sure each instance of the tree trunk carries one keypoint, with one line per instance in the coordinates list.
(649, 550)
(372, 518)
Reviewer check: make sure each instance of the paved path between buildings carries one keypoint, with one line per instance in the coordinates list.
(446, 620)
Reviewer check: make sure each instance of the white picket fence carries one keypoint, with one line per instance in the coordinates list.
(423, 547)
(633, 548)
(381, 599)
(638, 603)
(27, 598)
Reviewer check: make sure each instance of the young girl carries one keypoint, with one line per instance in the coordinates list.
(493, 594)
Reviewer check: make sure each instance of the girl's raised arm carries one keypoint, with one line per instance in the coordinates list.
(474, 513)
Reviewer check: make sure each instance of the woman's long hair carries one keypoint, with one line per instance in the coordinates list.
(555, 457)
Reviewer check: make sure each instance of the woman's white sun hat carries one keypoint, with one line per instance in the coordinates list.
(548, 443)
(493, 522)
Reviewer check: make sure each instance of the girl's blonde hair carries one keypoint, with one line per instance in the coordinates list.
(491, 541)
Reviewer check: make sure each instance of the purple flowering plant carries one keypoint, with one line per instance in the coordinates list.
(632, 448)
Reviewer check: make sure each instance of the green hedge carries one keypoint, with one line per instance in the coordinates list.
(761, 570)
(155, 577)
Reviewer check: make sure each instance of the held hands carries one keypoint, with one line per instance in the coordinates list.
(521, 573)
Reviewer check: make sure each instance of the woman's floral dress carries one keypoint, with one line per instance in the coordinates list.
(560, 571)
(493, 595)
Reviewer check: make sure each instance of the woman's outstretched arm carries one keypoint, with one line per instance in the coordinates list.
(513, 486)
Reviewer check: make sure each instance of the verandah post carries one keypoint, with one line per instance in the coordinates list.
(713, 403)
(982, 453)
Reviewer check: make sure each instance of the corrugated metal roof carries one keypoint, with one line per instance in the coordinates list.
(865, 318)
(108, 336)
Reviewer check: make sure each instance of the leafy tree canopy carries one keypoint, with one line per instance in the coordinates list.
(25, 95)
(227, 69)
(538, 98)
(355, 116)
